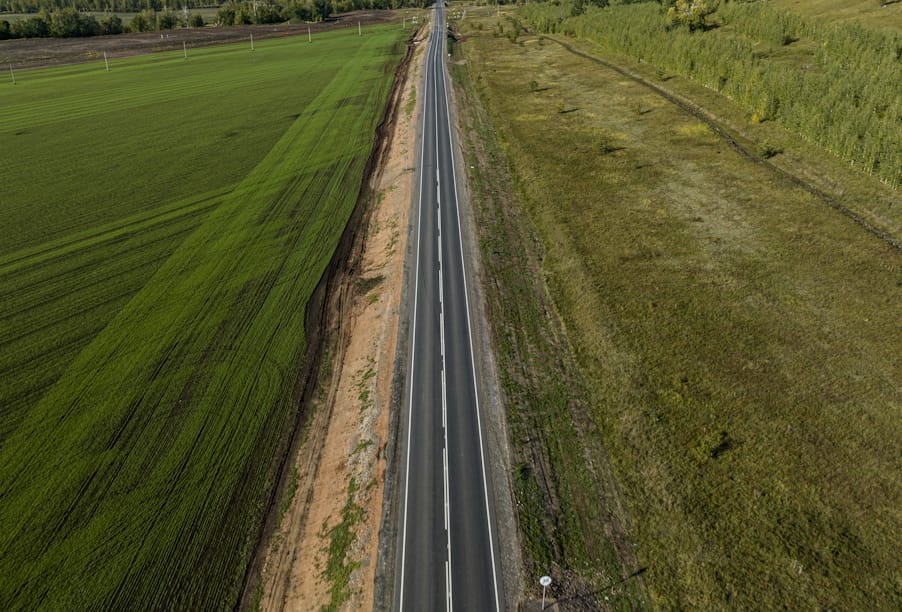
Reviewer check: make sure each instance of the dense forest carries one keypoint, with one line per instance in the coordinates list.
(71, 18)
(835, 84)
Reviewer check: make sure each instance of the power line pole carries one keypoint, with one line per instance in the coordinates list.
(106, 61)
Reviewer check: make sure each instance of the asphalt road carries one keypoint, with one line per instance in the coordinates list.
(448, 549)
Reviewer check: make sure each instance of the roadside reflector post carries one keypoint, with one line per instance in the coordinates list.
(11, 73)
(544, 581)
(106, 61)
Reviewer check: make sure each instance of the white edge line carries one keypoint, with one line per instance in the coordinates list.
(413, 348)
(485, 486)
(438, 191)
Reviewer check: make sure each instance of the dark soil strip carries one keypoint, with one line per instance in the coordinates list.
(30, 53)
(702, 116)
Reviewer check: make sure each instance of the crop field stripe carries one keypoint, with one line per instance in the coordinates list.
(168, 422)
(12, 263)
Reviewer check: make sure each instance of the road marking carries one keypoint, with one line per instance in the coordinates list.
(438, 199)
(447, 509)
(413, 349)
(485, 485)
(449, 603)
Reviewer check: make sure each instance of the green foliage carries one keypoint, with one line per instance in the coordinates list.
(338, 569)
(111, 24)
(766, 150)
(838, 87)
(690, 13)
(75, 20)
(226, 15)
(145, 21)
(68, 22)
(168, 20)
(196, 20)
(162, 277)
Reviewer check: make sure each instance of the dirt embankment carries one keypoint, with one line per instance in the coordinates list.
(324, 550)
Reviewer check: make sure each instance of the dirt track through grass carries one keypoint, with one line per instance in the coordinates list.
(739, 343)
(141, 474)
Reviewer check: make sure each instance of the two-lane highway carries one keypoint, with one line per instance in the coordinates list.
(448, 548)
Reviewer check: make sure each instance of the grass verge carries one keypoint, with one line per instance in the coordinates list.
(735, 339)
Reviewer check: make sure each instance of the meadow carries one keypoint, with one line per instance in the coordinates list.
(165, 226)
(705, 409)
(835, 84)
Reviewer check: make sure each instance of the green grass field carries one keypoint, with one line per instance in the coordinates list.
(165, 226)
(737, 343)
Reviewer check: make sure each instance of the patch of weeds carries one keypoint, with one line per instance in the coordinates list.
(288, 496)
(338, 568)
(363, 387)
(367, 284)
(710, 445)
(766, 150)
(362, 446)
(411, 102)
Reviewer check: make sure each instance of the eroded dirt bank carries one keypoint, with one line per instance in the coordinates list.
(324, 550)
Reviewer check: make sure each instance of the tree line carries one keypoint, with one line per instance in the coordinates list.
(73, 21)
(136, 6)
(100, 6)
(843, 95)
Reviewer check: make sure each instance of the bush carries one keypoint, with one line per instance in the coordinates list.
(143, 22)
(167, 20)
(111, 24)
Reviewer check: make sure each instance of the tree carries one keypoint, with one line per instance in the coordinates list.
(111, 24)
(691, 13)
(143, 22)
(33, 27)
(196, 20)
(226, 15)
(167, 20)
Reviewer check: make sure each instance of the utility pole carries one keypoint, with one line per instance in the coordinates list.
(358, 29)
(309, 39)
(252, 41)
(185, 48)
(106, 61)
(11, 73)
